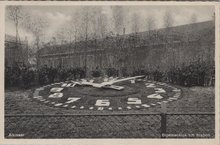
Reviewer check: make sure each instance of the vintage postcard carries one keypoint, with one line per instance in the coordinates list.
(110, 70)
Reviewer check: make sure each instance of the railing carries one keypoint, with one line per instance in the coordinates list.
(142, 125)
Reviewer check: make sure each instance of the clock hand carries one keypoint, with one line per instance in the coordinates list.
(85, 83)
(108, 84)
(121, 80)
(76, 83)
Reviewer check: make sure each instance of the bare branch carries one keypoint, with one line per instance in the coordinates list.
(119, 18)
(151, 25)
(168, 19)
(135, 22)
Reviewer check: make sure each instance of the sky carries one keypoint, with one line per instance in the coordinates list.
(60, 15)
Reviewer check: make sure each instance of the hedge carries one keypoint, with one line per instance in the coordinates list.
(198, 74)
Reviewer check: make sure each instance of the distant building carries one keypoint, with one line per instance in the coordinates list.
(16, 53)
(157, 49)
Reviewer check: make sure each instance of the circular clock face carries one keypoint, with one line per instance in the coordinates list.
(136, 94)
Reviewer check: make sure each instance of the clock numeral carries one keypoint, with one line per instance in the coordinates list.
(56, 95)
(64, 85)
(68, 85)
(37, 97)
(73, 85)
(154, 96)
(72, 99)
(177, 95)
(133, 81)
(100, 108)
(150, 85)
(145, 105)
(176, 90)
(159, 90)
(102, 103)
(65, 105)
(59, 104)
(56, 90)
(134, 101)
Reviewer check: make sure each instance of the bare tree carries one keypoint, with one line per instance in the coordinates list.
(94, 20)
(102, 24)
(135, 26)
(59, 35)
(36, 25)
(79, 23)
(168, 22)
(150, 21)
(168, 19)
(64, 33)
(193, 18)
(135, 22)
(15, 14)
(88, 23)
(151, 25)
(75, 25)
(118, 18)
(85, 29)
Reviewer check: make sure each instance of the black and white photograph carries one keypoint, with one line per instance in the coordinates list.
(109, 71)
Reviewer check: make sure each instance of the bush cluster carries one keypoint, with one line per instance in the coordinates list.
(96, 73)
(111, 72)
(23, 77)
(192, 75)
(49, 75)
(197, 74)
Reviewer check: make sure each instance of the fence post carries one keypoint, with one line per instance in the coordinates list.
(163, 119)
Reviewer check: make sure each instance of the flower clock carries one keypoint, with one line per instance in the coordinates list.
(108, 94)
